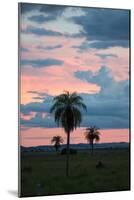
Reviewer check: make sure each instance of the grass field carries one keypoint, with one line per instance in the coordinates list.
(44, 173)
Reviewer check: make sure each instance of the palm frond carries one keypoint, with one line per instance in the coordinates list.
(92, 134)
(77, 117)
(67, 110)
(75, 97)
(80, 105)
(61, 98)
(58, 115)
(57, 140)
(56, 105)
(97, 138)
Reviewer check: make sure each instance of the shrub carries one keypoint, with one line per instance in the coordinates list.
(72, 151)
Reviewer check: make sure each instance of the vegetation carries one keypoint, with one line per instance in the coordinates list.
(71, 151)
(67, 112)
(47, 176)
(57, 140)
(92, 135)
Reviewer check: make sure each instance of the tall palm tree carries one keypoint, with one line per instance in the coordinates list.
(67, 111)
(92, 134)
(57, 140)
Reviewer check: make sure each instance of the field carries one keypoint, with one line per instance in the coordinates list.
(44, 173)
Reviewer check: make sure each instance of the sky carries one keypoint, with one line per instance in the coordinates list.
(83, 50)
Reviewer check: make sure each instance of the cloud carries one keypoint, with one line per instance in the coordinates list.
(44, 94)
(107, 109)
(53, 9)
(105, 80)
(41, 62)
(112, 28)
(22, 49)
(49, 47)
(100, 29)
(46, 32)
(41, 18)
(84, 46)
(40, 95)
(108, 44)
(28, 7)
(106, 122)
(38, 121)
(41, 107)
(40, 31)
(108, 27)
(111, 103)
(42, 8)
(103, 56)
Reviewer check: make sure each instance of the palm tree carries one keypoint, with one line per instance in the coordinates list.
(57, 140)
(92, 134)
(67, 111)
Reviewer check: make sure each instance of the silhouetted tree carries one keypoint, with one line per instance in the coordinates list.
(67, 111)
(92, 134)
(57, 141)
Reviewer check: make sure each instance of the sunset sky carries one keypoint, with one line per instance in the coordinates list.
(76, 49)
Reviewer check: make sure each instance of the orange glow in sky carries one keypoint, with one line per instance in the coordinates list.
(43, 136)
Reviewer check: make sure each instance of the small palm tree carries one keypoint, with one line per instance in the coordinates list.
(57, 140)
(92, 134)
(67, 111)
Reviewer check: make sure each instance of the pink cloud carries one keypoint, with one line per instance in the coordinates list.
(55, 80)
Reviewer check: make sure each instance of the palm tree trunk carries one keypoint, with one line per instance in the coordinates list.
(92, 148)
(68, 152)
(56, 148)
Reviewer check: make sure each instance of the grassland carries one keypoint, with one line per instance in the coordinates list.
(44, 173)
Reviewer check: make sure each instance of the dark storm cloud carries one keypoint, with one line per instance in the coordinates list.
(54, 10)
(111, 103)
(104, 78)
(105, 122)
(106, 27)
(50, 11)
(41, 107)
(41, 18)
(28, 7)
(41, 62)
(40, 31)
(84, 46)
(46, 32)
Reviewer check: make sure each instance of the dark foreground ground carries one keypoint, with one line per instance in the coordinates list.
(44, 173)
